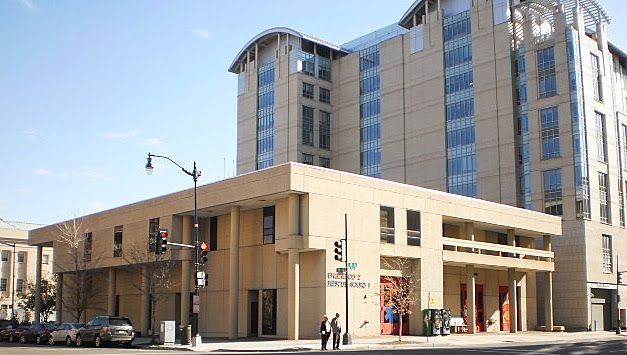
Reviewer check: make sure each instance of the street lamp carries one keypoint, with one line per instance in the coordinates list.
(12, 279)
(195, 174)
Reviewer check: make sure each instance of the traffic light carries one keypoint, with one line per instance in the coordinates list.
(204, 249)
(161, 241)
(619, 277)
(338, 250)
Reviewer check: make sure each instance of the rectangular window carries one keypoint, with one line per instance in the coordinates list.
(19, 286)
(268, 225)
(325, 130)
(309, 63)
(607, 253)
(213, 233)
(87, 247)
(324, 95)
(413, 228)
(45, 259)
(20, 257)
(5, 255)
(308, 91)
(3, 285)
(268, 312)
(604, 205)
(117, 241)
(553, 192)
(308, 159)
(308, 126)
(597, 83)
(325, 162)
(601, 146)
(324, 68)
(386, 218)
(153, 230)
(550, 132)
(546, 72)
(621, 203)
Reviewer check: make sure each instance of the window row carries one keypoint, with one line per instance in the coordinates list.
(324, 128)
(310, 160)
(459, 55)
(324, 95)
(19, 285)
(458, 82)
(459, 28)
(21, 257)
(386, 221)
(547, 80)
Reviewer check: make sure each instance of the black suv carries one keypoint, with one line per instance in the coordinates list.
(106, 329)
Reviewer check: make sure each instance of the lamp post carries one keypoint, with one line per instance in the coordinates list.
(195, 174)
(12, 279)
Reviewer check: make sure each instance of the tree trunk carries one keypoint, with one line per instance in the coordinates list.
(400, 330)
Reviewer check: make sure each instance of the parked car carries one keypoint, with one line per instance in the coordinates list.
(38, 333)
(66, 332)
(106, 329)
(12, 332)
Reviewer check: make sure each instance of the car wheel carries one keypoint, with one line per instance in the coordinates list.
(68, 341)
(127, 344)
(23, 339)
(50, 340)
(97, 341)
(79, 341)
(38, 339)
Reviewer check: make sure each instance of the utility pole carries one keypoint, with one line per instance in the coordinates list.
(618, 282)
(346, 339)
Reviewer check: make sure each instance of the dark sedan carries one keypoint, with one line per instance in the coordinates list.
(12, 332)
(38, 333)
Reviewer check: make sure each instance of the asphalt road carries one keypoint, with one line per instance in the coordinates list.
(617, 346)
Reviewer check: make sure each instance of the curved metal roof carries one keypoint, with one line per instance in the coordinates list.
(409, 13)
(272, 32)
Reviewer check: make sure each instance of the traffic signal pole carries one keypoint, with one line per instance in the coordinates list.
(346, 340)
(618, 281)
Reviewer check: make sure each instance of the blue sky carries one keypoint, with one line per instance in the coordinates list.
(88, 88)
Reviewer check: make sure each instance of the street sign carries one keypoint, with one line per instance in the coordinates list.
(340, 270)
(196, 300)
(352, 266)
(196, 308)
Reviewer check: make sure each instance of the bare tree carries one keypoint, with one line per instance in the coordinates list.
(77, 266)
(157, 269)
(401, 291)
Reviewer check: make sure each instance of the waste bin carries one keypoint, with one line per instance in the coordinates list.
(436, 318)
(446, 321)
(186, 335)
(167, 333)
(427, 324)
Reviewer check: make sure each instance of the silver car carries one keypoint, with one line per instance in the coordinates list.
(66, 332)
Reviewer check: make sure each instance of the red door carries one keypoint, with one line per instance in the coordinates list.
(504, 307)
(479, 311)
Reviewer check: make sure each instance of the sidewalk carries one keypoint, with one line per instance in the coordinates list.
(222, 345)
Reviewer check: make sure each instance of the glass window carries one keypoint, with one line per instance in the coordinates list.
(3, 285)
(5, 255)
(309, 63)
(20, 257)
(550, 132)
(265, 116)
(621, 203)
(268, 312)
(324, 68)
(601, 145)
(153, 230)
(546, 72)
(458, 82)
(553, 192)
(117, 241)
(607, 253)
(325, 162)
(386, 218)
(459, 28)
(213, 233)
(308, 159)
(45, 259)
(604, 205)
(413, 228)
(87, 247)
(597, 83)
(19, 286)
(325, 130)
(308, 91)
(324, 95)
(308, 126)
(268, 225)
(370, 112)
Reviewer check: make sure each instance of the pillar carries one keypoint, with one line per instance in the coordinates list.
(145, 301)
(470, 231)
(111, 292)
(548, 291)
(471, 319)
(293, 285)
(186, 269)
(513, 300)
(59, 300)
(234, 273)
(511, 238)
(38, 284)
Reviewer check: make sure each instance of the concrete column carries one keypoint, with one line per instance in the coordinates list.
(470, 231)
(234, 273)
(145, 303)
(38, 284)
(293, 214)
(548, 301)
(59, 300)
(186, 268)
(513, 300)
(111, 292)
(470, 299)
(511, 238)
(293, 296)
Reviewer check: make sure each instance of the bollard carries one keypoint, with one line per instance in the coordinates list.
(188, 334)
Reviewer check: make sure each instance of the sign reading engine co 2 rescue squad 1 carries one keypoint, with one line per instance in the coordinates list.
(339, 280)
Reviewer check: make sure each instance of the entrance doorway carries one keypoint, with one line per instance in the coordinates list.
(253, 313)
(479, 308)
(504, 308)
(390, 321)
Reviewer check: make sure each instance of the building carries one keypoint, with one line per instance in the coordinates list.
(271, 265)
(511, 101)
(17, 268)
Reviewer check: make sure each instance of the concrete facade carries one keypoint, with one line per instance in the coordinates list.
(283, 287)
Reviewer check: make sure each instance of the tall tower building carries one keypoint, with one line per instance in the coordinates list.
(511, 101)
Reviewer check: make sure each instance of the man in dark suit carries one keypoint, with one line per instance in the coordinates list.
(336, 328)
(325, 332)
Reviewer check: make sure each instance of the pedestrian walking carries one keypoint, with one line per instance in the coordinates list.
(325, 332)
(336, 328)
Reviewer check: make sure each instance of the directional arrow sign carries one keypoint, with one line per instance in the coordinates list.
(340, 270)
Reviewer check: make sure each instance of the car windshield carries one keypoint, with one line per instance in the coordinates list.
(77, 325)
(119, 321)
(48, 326)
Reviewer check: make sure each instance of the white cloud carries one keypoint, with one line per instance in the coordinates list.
(120, 135)
(31, 133)
(152, 141)
(41, 171)
(28, 4)
(202, 33)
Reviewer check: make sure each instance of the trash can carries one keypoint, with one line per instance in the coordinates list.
(427, 324)
(183, 334)
(167, 333)
(446, 321)
(436, 319)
